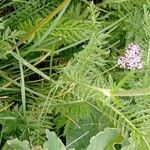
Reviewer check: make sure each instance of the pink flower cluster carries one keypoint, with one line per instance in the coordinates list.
(132, 58)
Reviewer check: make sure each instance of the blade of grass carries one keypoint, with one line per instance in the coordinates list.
(132, 92)
(23, 61)
(52, 26)
(26, 88)
(22, 82)
(49, 53)
(51, 66)
(77, 139)
(6, 107)
(7, 118)
(8, 89)
(17, 84)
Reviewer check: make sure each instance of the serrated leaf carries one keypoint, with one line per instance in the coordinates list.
(15, 144)
(105, 140)
(53, 143)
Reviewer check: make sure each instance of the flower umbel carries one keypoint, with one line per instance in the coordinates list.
(132, 58)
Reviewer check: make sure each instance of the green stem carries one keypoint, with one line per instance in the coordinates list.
(132, 92)
(51, 65)
(22, 83)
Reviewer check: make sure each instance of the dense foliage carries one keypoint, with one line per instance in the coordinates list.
(59, 74)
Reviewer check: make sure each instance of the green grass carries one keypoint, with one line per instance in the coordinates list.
(59, 72)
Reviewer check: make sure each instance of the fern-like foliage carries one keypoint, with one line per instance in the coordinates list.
(13, 123)
(7, 38)
(86, 95)
(127, 5)
(29, 10)
(73, 27)
(134, 26)
(84, 74)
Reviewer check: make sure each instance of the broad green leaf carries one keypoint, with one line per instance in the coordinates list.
(15, 144)
(105, 140)
(53, 143)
